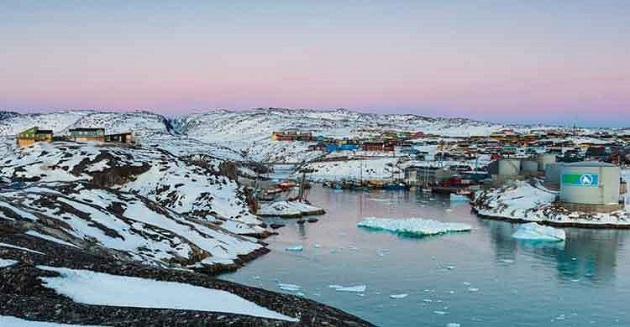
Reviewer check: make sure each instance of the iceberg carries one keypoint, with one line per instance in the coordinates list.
(413, 226)
(536, 232)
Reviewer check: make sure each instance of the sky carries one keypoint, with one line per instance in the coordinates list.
(524, 61)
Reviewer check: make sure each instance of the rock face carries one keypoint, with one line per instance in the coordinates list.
(23, 295)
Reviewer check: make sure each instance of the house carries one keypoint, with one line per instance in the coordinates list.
(119, 138)
(32, 135)
(377, 146)
(87, 134)
(292, 135)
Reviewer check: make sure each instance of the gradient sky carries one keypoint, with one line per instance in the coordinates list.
(518, 61)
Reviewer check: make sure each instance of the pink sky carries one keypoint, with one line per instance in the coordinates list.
(487, 61)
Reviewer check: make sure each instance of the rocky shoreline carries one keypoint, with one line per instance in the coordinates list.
(22, 294)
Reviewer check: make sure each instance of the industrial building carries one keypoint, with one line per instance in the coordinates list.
(590, 182)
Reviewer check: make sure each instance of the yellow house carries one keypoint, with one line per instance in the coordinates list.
(32, 135)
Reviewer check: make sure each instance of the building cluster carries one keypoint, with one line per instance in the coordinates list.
(34, 134)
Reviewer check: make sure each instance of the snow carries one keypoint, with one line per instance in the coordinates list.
(6, 262)
(49, 238)
(351, 289)
(530, 201)
(20, 248)
(9, 321)
(536, 232)
(287, 209)
(88, 287)
(413, 226)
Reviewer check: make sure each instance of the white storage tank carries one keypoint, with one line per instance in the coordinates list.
(529, 166)
(590, 183)
(509, 167)
(544, 159)
(552, 172)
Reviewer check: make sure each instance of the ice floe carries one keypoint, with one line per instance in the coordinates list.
(294, 248)
(289, 287)
(536, 232)
(354, 289)
(399, 296)
(413, 226)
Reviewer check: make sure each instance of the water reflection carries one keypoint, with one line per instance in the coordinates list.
(587, 254)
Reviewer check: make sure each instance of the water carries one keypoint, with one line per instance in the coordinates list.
(480, 278)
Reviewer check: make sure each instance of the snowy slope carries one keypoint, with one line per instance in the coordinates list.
(80, 215)
(152, 173)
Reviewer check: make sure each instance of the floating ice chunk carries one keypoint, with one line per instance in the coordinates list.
(427, 300)
(453, 324)
(473, 289)
(507, 260)
(295, 248)
(413, 226)
(536, 232)
(441, 313)
(399, 296)
(355, 289)
(317, 246)
(289, 287)
(458, 198)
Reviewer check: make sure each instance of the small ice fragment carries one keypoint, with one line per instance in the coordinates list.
(355, 289)
(295, 248)
(453, 324)
(441, 313)
(399, 296)
(300, 294)
(427, 300)
(450, 267)
(256, 277)
(467, 283)
(317, 246)
(289, 287)
(507, 260)
(473, 289)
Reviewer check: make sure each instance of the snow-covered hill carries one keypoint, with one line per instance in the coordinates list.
(153, 173)
(250, 131)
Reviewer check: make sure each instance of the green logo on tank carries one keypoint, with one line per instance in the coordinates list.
(575, 179)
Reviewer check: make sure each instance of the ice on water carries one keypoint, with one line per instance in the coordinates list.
(413, 226)
(536, 232)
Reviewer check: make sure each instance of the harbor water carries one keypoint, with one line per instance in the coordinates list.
(479, 278)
